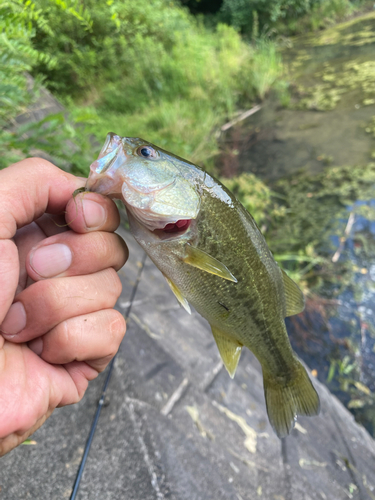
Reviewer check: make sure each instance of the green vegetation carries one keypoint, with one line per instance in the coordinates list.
(286, 17)
(345, 375)
(323, 89)
(322, 14)
(344, 34)
(53, 135)
(141, 68)
(253, 193)
(134, 67)
(353, 75)
(17, 55)
(316, 210)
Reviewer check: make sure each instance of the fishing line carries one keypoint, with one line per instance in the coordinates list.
(103, 393)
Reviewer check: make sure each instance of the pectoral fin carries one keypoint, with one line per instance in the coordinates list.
(200, 259)
(230, 350)
(179, 296)
(295, 302)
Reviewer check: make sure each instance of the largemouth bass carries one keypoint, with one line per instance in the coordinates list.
(214, 257)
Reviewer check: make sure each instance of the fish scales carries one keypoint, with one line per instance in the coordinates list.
(214, 257)
(246, 300)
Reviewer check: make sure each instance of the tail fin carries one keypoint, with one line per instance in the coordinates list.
(286, 401)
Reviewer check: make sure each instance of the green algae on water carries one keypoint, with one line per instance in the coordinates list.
(332, 84)
(344, 34)
(320, 86)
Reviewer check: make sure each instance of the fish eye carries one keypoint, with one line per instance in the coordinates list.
(147, 152)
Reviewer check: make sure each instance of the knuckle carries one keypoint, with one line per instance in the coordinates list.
(65, 336)
(39, 162)
(80, 393)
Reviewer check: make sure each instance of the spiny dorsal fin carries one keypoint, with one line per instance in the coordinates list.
(200, 259)
(294, 300)
(230, 350)
(178, 295)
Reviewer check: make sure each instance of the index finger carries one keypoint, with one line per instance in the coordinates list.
(30, 188)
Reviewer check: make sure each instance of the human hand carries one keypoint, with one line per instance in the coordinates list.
(58, 286)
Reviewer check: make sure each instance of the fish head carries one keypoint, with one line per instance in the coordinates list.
(156, 187)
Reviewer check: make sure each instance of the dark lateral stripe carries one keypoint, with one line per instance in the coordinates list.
(272, 346)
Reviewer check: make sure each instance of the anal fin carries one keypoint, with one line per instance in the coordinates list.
(229, 349)
(202, 260)
(178, 295)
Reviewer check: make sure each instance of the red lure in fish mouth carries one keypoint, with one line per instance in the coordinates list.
(177, 227)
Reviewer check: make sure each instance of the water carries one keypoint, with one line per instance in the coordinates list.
(332, 105)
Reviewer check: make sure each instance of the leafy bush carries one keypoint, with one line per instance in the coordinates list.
(54, 135)
(267, 67)
(148, 68)
(17, 56)
(202, 81)
(132, 52)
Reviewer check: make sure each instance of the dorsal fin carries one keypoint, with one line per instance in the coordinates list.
(294, 299)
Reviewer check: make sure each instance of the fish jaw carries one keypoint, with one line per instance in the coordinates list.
(103, 177)
(154, 191)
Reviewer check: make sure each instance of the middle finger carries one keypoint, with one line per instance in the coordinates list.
(72, 254)
(46, 303)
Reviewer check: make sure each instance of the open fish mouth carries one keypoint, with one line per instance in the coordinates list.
(172, 230)
(177, 227)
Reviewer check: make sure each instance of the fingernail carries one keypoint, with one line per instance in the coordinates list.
(15, 321)
(93, 213)
(36, 346)
(51, 260)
